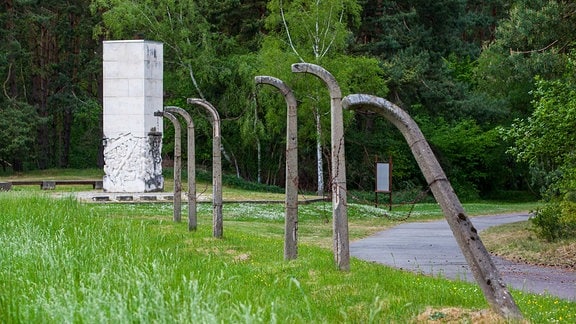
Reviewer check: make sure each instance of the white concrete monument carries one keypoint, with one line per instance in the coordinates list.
(133, 91)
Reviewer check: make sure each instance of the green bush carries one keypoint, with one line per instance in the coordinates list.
(556, 220)
(547, 221)
(568, 215)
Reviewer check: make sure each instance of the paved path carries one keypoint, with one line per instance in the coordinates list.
(430, 248)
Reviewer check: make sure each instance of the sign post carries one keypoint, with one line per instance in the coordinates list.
(384, 180)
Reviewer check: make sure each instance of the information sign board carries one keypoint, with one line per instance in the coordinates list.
(383, 177)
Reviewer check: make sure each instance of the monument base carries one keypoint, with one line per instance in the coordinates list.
(133, 164)
(133, 186)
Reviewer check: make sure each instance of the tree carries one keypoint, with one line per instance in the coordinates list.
(188, 51)
(315, 32)
(469, 155)
(18, 119)
(201, 55)
(413, 39)
(46, 44)
(18, 122)
(532, 40)
(428, 52)
(546, 141)
(240, 21)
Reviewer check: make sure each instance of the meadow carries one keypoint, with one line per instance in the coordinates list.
(63, 261)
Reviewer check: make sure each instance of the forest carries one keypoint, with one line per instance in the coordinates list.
(491, 83)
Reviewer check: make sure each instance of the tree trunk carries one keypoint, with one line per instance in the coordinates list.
(66, 135)
(40, 92)
(258, 146)
(319, 159)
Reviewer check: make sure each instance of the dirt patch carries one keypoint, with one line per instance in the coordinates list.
(460, 315)
(239, 257)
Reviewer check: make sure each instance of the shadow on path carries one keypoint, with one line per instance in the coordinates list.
(430, 248)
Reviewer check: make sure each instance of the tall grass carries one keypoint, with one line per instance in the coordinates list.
(63, 261)
(60, 262)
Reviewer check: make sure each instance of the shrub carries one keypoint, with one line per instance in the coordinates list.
(547, 221)
(556, 220)
(568, 215)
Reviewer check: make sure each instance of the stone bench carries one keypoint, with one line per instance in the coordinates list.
(5, 186)
(51, 184)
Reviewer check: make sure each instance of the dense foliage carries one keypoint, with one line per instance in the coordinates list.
(462, 69)
(545, 141)
(50, 67)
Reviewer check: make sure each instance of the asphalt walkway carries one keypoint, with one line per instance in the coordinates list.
(430, 248)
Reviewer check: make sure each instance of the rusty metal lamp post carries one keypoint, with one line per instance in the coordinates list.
(191, 166)
(217, 219)
(339, 205)
(477, 257)
(291, 217)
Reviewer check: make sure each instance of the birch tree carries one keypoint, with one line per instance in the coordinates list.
(310, 31)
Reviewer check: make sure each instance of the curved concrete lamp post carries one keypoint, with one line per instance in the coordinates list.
(477, 257)
(177, 165)
(291, 218)
(191, 166)
(339, 207)
(217, 219)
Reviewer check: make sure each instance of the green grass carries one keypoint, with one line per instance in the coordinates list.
(519, 242)
(314, 219)
(63, 261)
